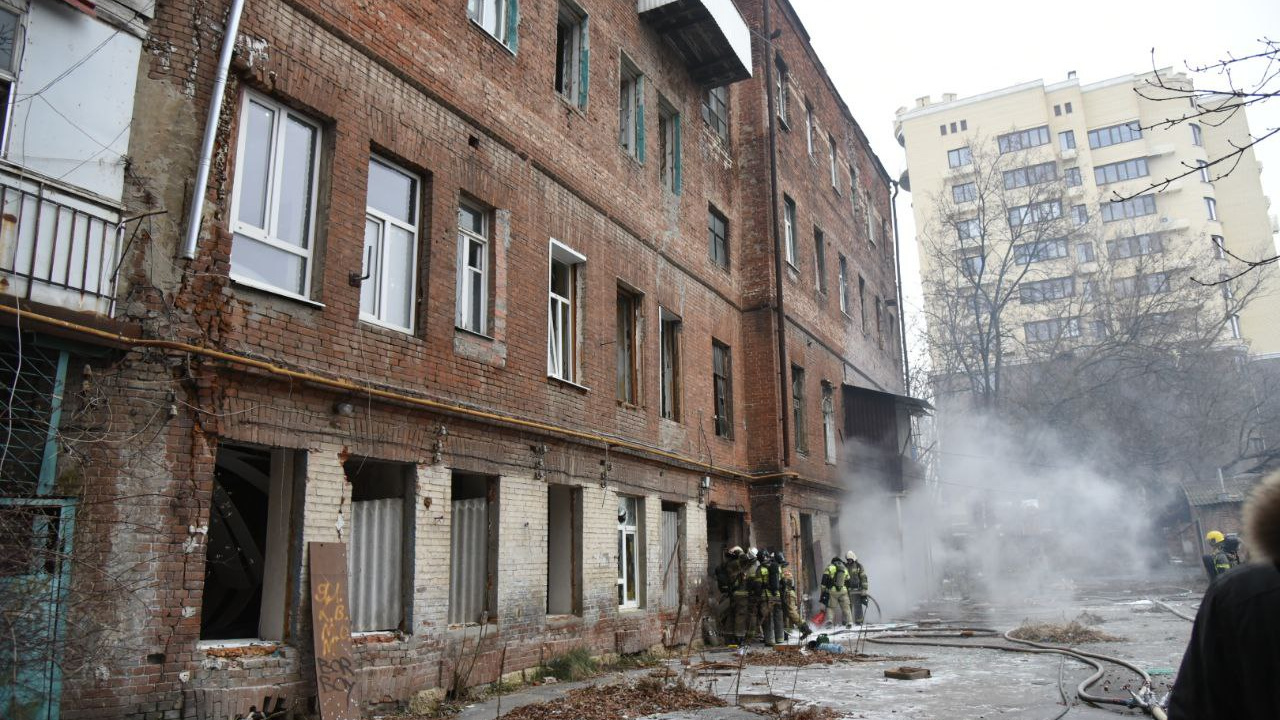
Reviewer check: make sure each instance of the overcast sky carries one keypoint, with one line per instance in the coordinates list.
(884, 55)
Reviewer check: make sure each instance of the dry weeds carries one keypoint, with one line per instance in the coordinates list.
(1073, 633)
(617, 702)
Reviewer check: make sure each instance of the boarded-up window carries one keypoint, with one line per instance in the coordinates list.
(380, 556)
(473, 549)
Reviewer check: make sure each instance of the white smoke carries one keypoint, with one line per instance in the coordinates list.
(1009, 516)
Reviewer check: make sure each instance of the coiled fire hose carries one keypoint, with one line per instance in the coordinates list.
(1143, 698)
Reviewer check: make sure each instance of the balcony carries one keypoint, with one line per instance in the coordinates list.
(58, 245)
(709, 37)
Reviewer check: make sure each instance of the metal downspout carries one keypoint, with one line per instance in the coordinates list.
(770, 111)
(211, 130)
(902, 306)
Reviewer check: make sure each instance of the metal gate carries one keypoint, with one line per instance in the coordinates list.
(36, 531)
(35, 570)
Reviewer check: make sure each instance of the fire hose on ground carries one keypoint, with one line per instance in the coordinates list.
(1144, 698)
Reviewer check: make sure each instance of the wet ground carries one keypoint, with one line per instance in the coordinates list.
(966, 682)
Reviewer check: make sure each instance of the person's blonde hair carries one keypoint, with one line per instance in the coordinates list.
(1262, 519)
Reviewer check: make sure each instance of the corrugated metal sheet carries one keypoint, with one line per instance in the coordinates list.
(374, 564)
(468, 559)
(670, 558)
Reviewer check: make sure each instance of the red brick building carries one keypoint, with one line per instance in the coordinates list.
(468, 278)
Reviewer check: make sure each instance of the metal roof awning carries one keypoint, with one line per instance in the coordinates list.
(709, 36)
(914, 405)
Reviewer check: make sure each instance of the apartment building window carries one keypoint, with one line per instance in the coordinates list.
(1141, 285)
(379, 559)
(562, 312)
(1124, 170)
(798, 410)
(1034, 213)
(669, 136)
(1023, 139)
(10, 49)
(1080, 214)
(715, 111)
(1134, 246)
(1211, 208)
(1067, 108)
(388, 284)
(1204, 171)
(1085, 253)
(1039, 250)
(718, 236)
(968, 230)
(474, 233)
(275, 198)
(1045, 290)
(789, 228)
(1057, 110)
(1052, 329)
(669, 368)
(964, 192)
(498, 18)
(571, 54)
(959, 157)
(1072, 176)
(1067, 140)
(782, 90)
(628, 341)
(630, 555)
(942, 129)
(844, 285)
(631, 109)
(828, 422)
(1115, 134)
(1030, 175)
(831, 146)
(1197, 135)
(972, 263)
(1131, 208)
(808, 127)
(1219, 248)
(819, 260)
(862, 302)
(722, 388)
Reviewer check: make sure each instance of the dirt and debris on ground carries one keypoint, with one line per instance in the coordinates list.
(1072, 633)
(618, 701)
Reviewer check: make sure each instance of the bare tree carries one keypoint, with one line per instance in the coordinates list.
(1216, 93)
(1089, 328)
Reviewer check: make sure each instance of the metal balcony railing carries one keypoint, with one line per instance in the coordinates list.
(58, 245)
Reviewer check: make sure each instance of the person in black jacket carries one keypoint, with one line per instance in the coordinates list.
(1231, 668)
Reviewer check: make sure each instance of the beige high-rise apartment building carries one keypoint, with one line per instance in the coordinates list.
(1045, 190)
